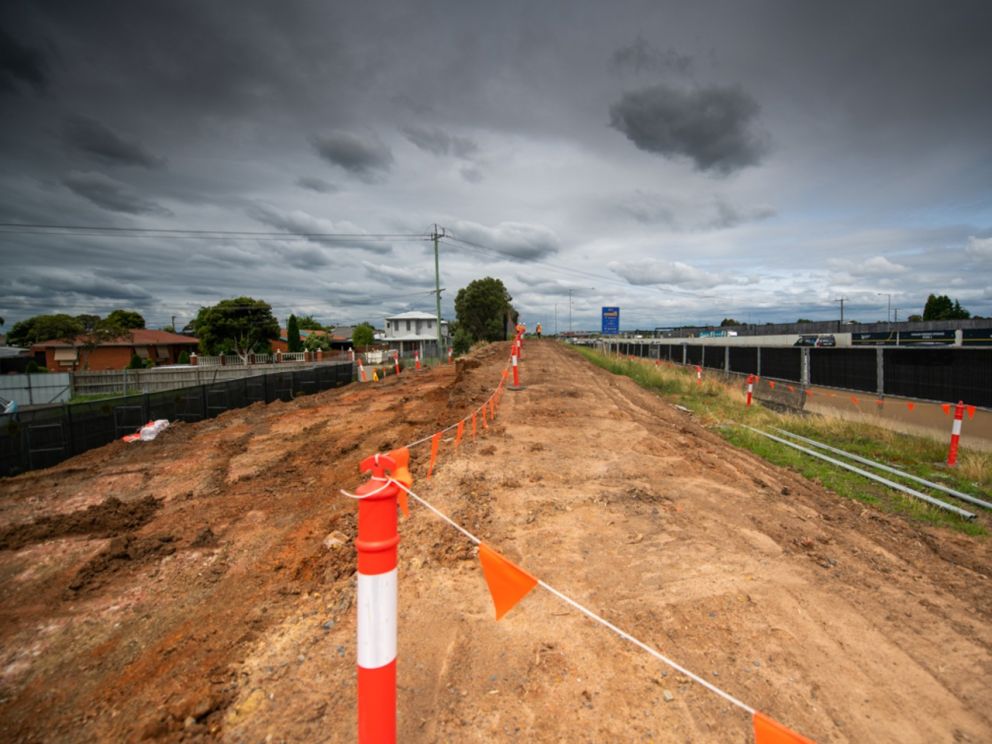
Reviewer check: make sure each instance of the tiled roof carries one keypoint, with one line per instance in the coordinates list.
(136, 337)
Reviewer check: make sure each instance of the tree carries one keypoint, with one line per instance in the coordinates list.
(362, 336)
(136, 362)
(307, 323)
(126, 319)
(239, 325)
(41, 328)
(313, 342)
(804, 320)
(728, 322)
(461, 342)
(293, 335)
(940, 307)
(483, 309)
(183, 357)
(915, 318)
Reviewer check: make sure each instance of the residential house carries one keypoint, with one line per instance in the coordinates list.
(161, 347)
(282, 343)
(416, 330)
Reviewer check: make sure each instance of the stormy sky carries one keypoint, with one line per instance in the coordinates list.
(685, 161)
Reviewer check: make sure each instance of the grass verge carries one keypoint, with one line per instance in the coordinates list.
(720, 406)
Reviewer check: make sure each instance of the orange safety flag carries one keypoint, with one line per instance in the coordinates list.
(402, 475)
(435, 444)
(791, 389)
(879, 402)
(485, 424)
(492, 409)
(459, 432)
(910, 406)
(771, 384)
(946, 407)
(473, 424)
(507, 582)
(808, 392)
(855, 401)
(769, 731)
(971, 411)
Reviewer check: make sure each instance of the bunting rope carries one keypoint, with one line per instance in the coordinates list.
(592, 615)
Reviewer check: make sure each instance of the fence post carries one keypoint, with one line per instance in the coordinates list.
(30, 394)
(804, 375)
(376, 544)
(757, 363)
(880, 370)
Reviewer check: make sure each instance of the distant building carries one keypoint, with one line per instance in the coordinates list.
(282, 343)
(416, 330)
(161, 347)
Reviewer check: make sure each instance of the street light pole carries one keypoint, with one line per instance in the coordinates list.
(569, 312)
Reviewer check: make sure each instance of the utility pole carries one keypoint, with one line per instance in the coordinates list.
(437, 285)
(556, 320)
(173, 323)
(888, 310)
(841, 300)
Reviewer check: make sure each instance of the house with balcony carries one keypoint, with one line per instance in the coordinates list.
(416, 330)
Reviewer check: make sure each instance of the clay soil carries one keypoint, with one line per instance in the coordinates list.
(201, 586)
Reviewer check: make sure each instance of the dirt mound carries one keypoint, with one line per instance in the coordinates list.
(105, 519)
(123, 553)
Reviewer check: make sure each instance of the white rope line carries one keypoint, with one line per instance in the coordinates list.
(593, 616)
(380, 489)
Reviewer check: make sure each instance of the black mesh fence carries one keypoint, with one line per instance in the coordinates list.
(44, 437)
(782, 364)
(744, 359)
(940, 374)
(694, 355)
(714, 356)
(855, 369)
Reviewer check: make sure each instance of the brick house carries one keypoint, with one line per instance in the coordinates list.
(161, 347)
(282, 343)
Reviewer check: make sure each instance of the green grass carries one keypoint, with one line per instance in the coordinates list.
(720, 406)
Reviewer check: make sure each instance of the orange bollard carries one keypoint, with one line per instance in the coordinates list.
(952, 454)
(361, 371)
(516, 372)
(699, 375)
(416, 359)
(396, 361)
(376, 603)
(451, 353)
(750, 389)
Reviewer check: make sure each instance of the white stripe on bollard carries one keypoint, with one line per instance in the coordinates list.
(376, 619)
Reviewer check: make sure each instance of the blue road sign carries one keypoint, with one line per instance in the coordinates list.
(611, 321)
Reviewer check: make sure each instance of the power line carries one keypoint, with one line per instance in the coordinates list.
(187, 232)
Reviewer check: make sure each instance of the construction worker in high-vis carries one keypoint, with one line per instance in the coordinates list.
(538, 330)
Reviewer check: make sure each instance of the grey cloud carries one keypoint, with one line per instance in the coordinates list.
(312, 228)
(96, 140)
(640, 57)
(472, 173)
(79, 283)
(402, 275)
(440, 142)
(876, 266)
(980, 248)
(651, 272)
(366, 157)
(111, 195)
(727, 215)
(647, 209)
(510, 239)
(21, 65)
(319, 185)
(302, 256)
(710, 126)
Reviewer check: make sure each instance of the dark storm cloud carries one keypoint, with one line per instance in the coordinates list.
(439, 142)
(510, 239)
(710, 126)
(111, 195)
(312, 183)
(21, 65)
(96, 140)
(727, 215)
(640, 56)
(38, 285)
(366, 156)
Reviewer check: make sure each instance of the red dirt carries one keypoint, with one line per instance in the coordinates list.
(223, 608)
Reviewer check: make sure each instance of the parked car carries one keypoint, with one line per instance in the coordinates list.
(816, 339)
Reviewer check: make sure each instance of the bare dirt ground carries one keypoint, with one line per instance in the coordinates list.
(193, 588)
